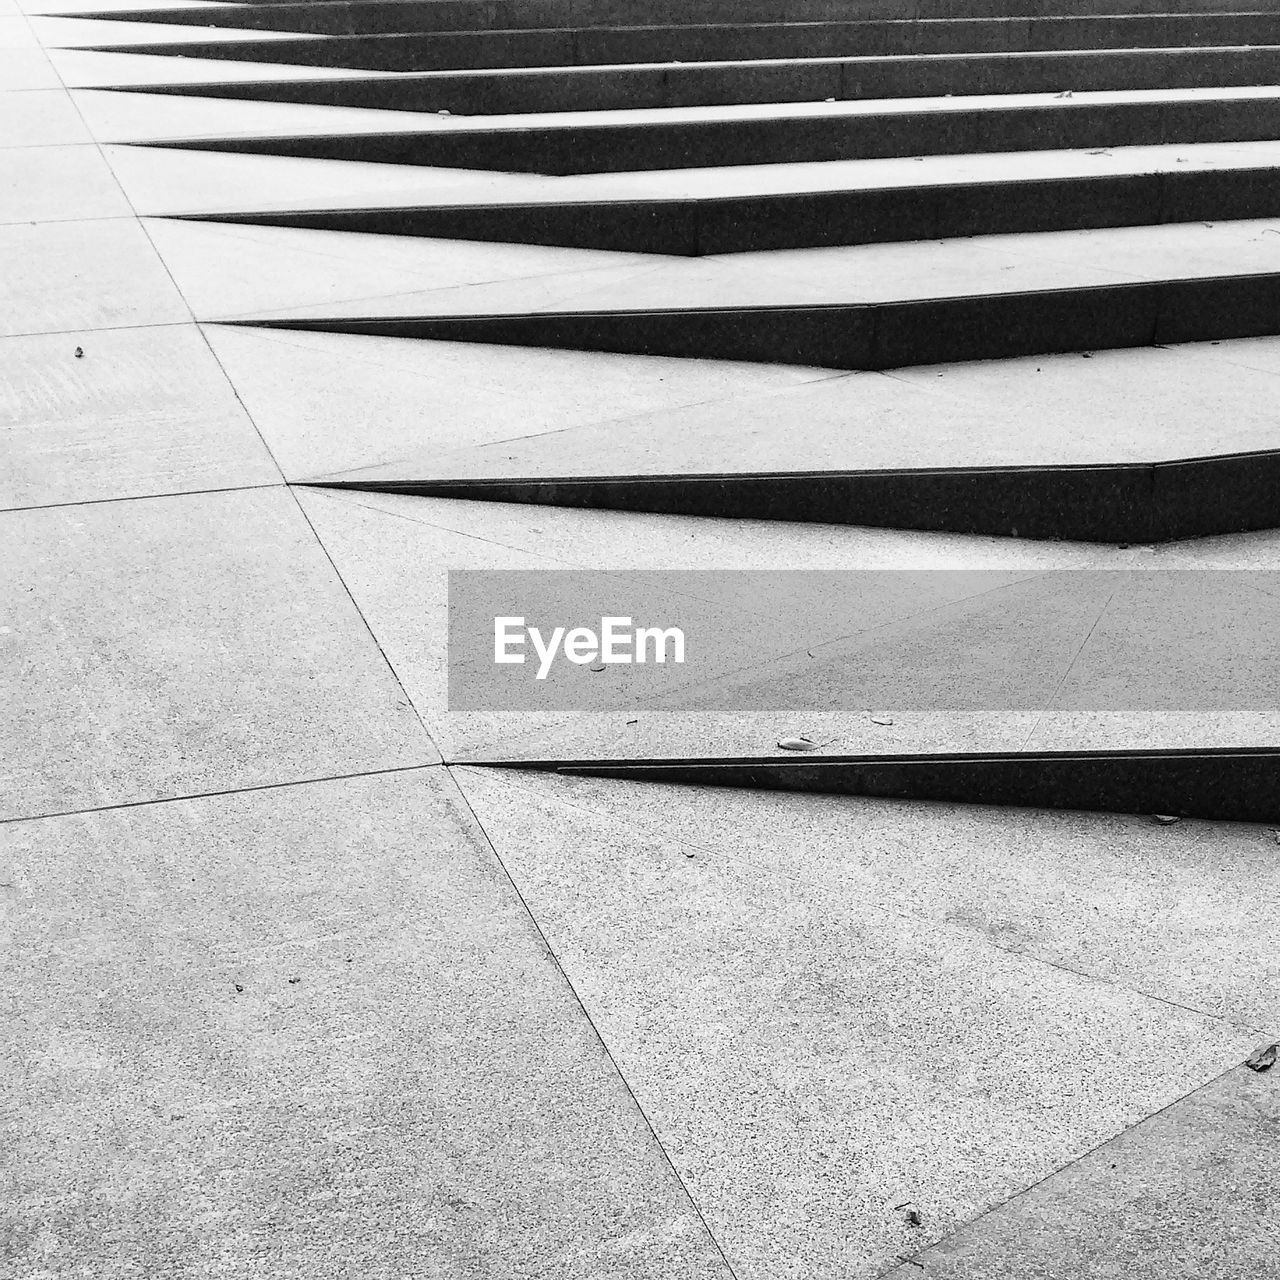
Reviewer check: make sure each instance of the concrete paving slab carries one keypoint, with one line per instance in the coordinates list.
(118, 422)
(330, 403)
(124, 117)
(1190, 1192)
(161, 182)
(26, 68)
(311, 1030)
(16, 33)
(73, 276)
(40, 118)
(810, 1063)
(394, 554)
(226, 271)
(176, 646)
(59, 184)
(164, 181)
(1184, 913)
(472, 278)
(1119, 406)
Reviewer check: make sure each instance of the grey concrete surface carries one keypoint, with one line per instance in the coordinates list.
(308, 1032)
(1191, 1192)
(1188, 913)
(41, 118)
(811, 1062)
(59, 184)
(425, 413)
(394, 554)
(412, 402)
(173, 646)
(141, 411)
(98, 274)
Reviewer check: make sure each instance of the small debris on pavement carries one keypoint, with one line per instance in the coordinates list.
(1165, 819)
(797, 744)
(688, 853)
(913, 1217)
(597, 666)
(239, 987)
(1264, 1059)
(881, 719)
(294, 981)
(79, 353)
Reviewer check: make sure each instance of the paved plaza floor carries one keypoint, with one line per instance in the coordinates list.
(310, 974)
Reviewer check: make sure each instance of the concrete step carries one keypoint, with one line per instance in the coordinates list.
(501, 91)
(463, 15)
(415, 52)
(868, 215)
(603, 142)
(689, 42)
(1232, 785)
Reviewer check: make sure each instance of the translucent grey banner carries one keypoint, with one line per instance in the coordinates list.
(944, 640)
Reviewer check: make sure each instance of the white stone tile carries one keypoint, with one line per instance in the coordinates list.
(226, 271)
(333, 403)
(83, 275)
(812, 1060)
(124, 117)
(59, 184)
(1194, 1180)
(26, 68)
(322, 1008)
(142, 411)
(175, 646)
(40, 118)
(394, 554)
(167, 181)
(1186, 913)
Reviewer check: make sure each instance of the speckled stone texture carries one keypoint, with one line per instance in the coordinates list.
(1193, 1192)
(308, 1031)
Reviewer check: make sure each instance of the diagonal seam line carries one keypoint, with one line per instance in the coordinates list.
(1017, 1195)
(516, 781)
(1048, 706)
(142, 226)
(626, 1084)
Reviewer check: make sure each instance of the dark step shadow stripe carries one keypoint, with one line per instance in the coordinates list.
(1124, 503)
(693, 144)
(478, 14)
(849, 75)
(740, 224)
(1227, 784)
(517, 91)
(659, 41)
(872, 335)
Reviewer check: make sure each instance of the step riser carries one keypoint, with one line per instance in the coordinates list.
(692, 228)
(1227, 786)
(992, 73)
(491, 15)
(633, 87)
(880, 336)
(1132, 504)
(689, 44)
(704, 144)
